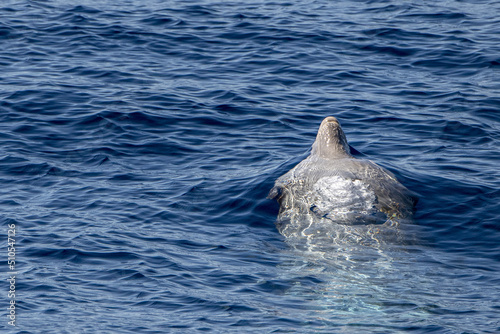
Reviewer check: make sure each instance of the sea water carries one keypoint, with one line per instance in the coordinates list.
(139, 140)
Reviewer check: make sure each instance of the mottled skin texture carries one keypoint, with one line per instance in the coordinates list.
(330, 158)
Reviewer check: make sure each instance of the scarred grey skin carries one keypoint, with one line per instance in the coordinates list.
(360, 191)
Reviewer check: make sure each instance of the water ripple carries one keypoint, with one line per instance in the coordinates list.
(140, 140)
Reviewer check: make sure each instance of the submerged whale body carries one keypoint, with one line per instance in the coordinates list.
(334, 197)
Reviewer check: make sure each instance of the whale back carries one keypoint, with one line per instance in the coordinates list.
(332, 192)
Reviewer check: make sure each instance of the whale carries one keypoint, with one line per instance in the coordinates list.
(332, 197)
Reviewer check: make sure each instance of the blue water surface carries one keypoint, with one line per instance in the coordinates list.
(139, 140)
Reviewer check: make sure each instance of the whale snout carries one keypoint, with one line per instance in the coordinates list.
(330, 141)
(330, 119)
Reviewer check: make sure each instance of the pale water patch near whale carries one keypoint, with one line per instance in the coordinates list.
(337, 197)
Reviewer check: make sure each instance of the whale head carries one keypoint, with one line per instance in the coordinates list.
(330, 142)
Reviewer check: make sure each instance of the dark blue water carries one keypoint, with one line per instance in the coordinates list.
(139, 139)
